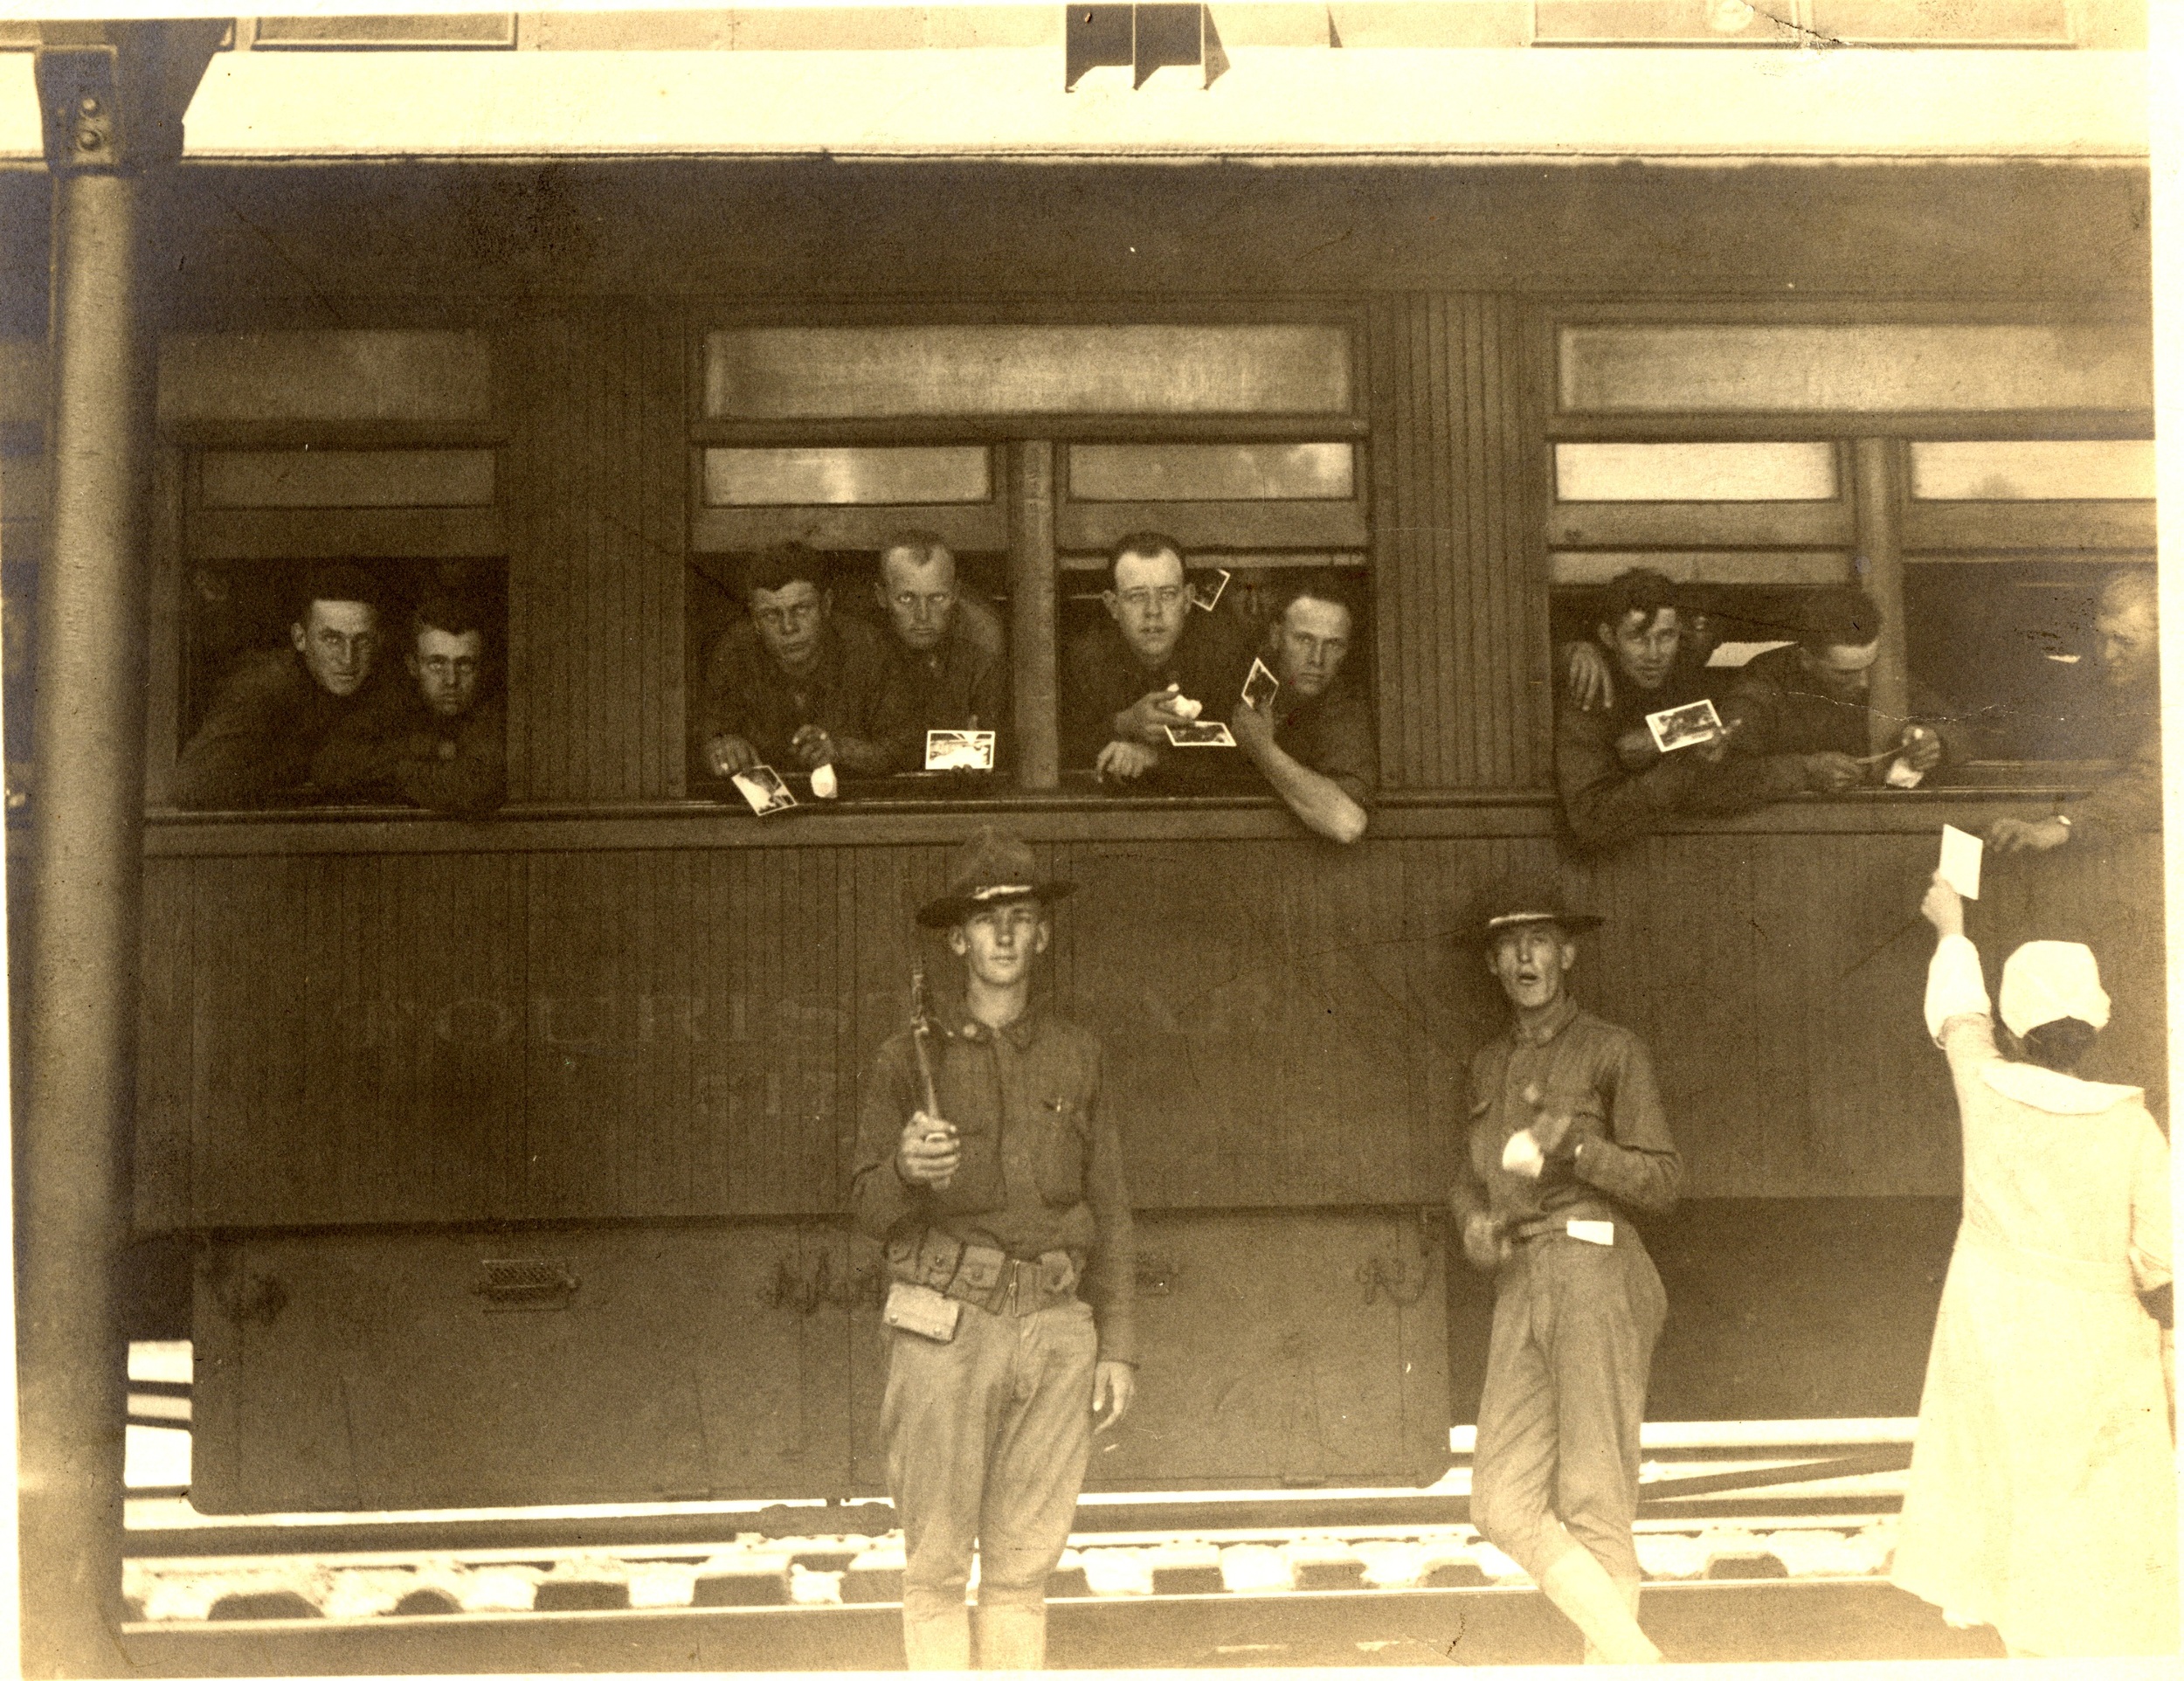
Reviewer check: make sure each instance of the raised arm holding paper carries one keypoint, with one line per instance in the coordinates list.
(2043, 1431)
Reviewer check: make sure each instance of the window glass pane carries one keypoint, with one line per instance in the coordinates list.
(1212, 472)
(1656, 370)
(792, 478)
(346, 478)
(1570, 568)
(1695, 473)
(2009, 646)
(371, 374)
(774, 373)
(2103, 469)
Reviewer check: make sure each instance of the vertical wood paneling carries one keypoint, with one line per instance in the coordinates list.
(164, 1161)
(1459, 605)
(660, 1034)
(596, 573)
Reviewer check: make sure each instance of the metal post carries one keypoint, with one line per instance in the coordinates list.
(1033, 599)
(110, 107)
(1881, 570)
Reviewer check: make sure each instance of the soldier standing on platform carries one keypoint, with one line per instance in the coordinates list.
(987, 1166)
(1567, 1136)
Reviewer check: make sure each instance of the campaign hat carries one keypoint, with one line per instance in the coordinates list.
(990, 868)
(1514, 900)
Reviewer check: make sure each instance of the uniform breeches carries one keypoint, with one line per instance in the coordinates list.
(1555, 1464)
(987, 1437)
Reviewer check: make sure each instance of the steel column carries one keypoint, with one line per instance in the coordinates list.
(89, 749)
(113, 98)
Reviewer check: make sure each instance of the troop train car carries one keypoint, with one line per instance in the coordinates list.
(504, 1161)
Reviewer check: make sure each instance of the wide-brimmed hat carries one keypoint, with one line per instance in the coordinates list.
(991, 868)
(1517, 899)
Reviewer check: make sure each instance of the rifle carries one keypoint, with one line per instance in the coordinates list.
(921, 1033)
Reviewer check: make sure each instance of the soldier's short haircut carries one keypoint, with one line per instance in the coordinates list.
(1640, 590)
(785, 564)
(444, 611)
(922, 547)
(1147, 543)
(1318, 584)
(335, 581)
(2131, 586)
(1839, 616)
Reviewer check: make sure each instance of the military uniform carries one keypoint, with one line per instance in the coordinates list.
(1578, 1306)
(988, 1432)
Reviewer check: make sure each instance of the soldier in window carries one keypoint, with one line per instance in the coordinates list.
(438, 740)
(1124, 680)
(1800, 714)
(947, 666)
(1615, 783)
(792, 685)
(2127, 628)
(277, 705)
(1312, 739)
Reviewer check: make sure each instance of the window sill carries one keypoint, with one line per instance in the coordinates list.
(864, 817)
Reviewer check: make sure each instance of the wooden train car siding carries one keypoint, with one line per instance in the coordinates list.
(596, 565)
(358, 1038)
(389, 1372)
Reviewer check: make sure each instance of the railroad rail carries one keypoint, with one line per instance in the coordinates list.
(1761, 1541)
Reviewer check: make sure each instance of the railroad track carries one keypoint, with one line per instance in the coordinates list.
(1761, 1542)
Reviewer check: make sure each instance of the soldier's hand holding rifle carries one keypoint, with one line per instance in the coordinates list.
(928, 1152)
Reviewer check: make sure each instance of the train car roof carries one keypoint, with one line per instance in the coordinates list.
(899, 82)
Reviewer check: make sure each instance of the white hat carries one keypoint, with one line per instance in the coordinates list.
(2045, 980)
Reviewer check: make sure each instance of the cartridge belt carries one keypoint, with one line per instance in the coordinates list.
(984, 1276)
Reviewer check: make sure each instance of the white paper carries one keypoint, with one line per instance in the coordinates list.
(1602, 1231)
(959, 750)
(1521, 1154)
(1692, 725)
(1961, 855)
(762, 789)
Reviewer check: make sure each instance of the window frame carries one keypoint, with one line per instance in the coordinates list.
(1886, 528)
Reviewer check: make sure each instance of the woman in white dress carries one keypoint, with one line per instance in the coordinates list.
(2042, 1495)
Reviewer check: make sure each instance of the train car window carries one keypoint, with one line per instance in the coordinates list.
(231, 608)
(896, 476)
(404, 524)
(1684, 472)
(716, 610)
(1871, 368)
(871, 373)
(1232, 497)
(306, 377)
(1212, 473)
(2099, 469)
(2007, 643)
